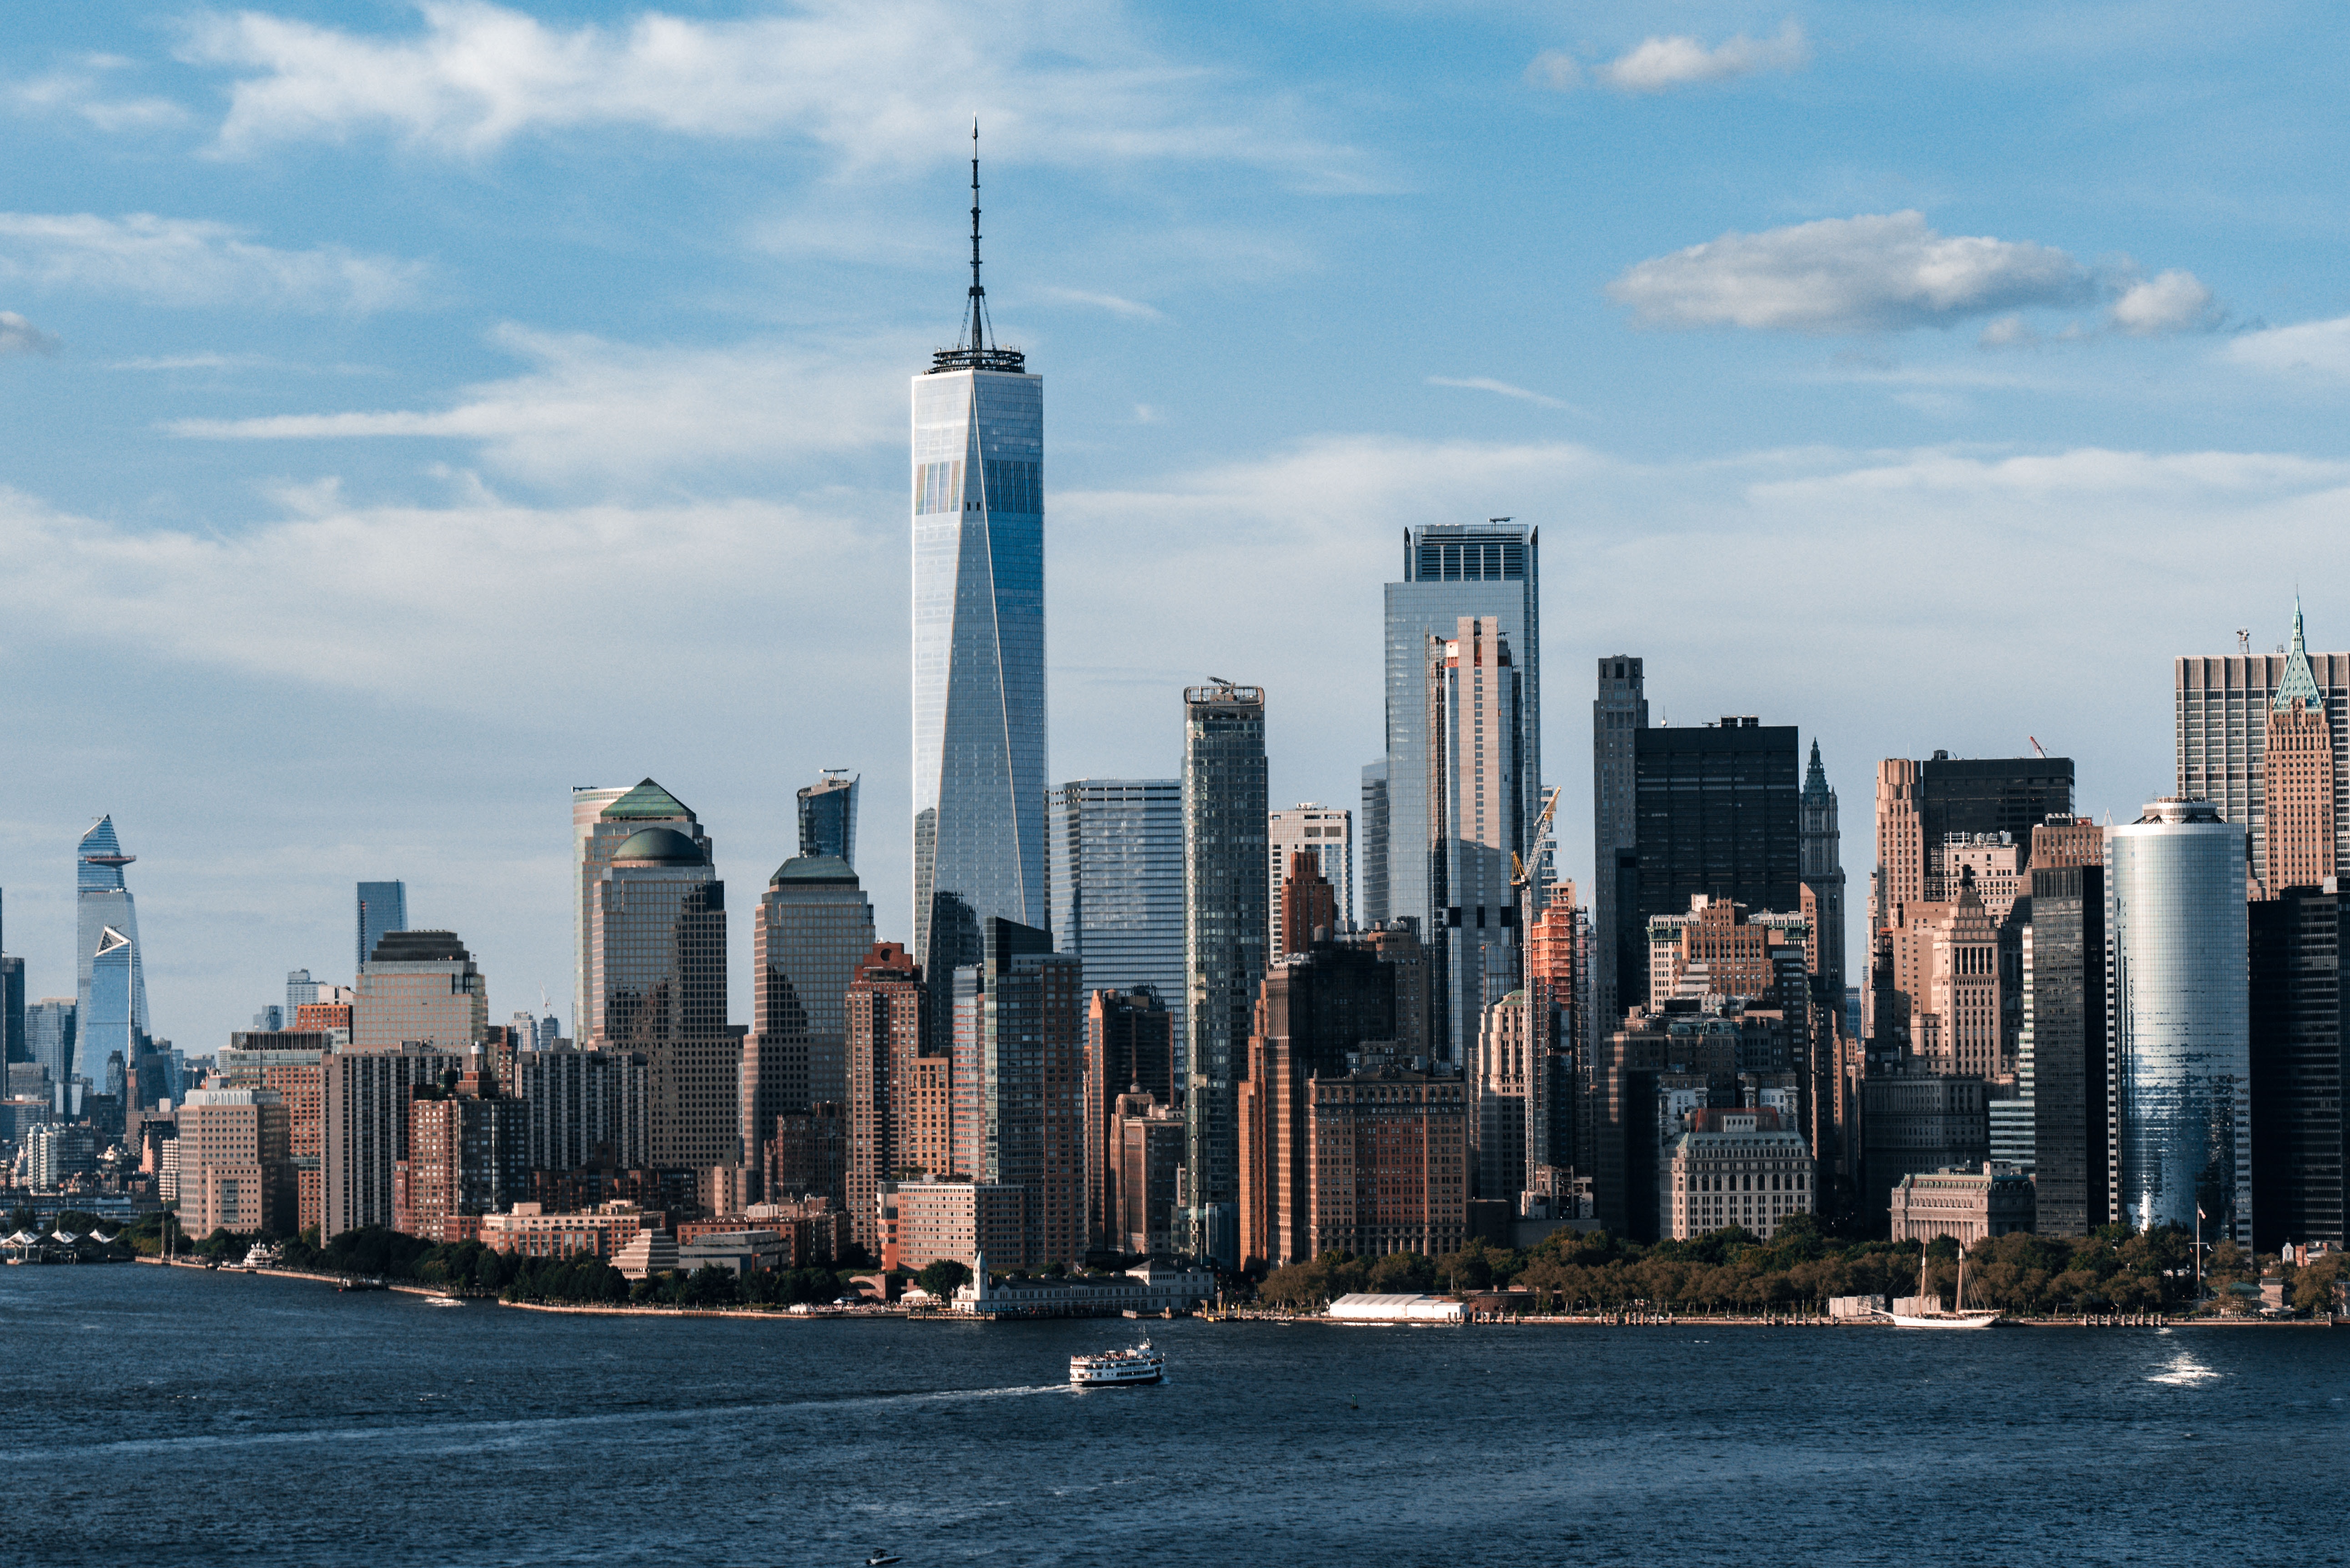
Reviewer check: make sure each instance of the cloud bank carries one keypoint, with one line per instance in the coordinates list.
(189, 262)
(18, 335)
(1061, 80)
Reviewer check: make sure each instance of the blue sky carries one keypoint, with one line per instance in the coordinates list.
(418, 410)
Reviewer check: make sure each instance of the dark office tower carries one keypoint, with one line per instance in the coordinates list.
(1020, 1019)
(1316, 1008)
(1130, 1046)
(1475, 831)
(2301, 1061)
(813, 929)
(1920, 804)
(12, 1010)
(828, 816)
(1117, 885)
(1449, 572)
(1375, 820)
(383, 909)
(1823, 872)
(657, 934)
(1620, 709)
(1716, 811)
(978, 496)
(2225, 709)
(1225, 922)
(2071, 1155)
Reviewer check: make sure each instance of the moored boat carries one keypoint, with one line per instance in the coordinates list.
(1958, 1317)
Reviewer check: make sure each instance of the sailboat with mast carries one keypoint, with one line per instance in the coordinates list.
(1928, 1312)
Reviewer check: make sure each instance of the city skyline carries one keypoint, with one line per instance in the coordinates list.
(1850, 434)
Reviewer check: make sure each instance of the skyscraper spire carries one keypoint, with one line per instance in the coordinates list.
(973, 349)
(2299, 683)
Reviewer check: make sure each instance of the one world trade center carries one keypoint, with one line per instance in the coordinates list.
(979, 639)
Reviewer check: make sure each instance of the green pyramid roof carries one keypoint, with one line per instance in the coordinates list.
(647, 802)
(2299, 684)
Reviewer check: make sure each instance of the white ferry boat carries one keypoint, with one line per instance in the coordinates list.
(1118, 1367)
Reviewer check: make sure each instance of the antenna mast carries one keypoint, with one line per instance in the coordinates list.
(972, 351)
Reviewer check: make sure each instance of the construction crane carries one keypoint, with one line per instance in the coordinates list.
(2037, 746)
(1537, 841)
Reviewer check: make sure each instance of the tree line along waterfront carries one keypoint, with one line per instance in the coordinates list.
(2114, 1271)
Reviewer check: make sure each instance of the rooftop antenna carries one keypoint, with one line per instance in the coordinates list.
(978, 323)
(973, 349)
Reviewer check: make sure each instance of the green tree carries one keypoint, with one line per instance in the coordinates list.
(944, 1277)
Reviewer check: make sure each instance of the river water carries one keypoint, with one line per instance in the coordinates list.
(162, 1417)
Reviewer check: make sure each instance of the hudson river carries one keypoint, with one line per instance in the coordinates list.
(168, 1418)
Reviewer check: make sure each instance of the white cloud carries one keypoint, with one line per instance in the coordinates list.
(18, 335)
(79, 90)
(1847, 275)
(602, 412)
(2319, 346)
(1487, 384)
(181, 261)
(2173, 301)
(1555, 70)
(1659, 65)
(1061, 80)
(1116, 306)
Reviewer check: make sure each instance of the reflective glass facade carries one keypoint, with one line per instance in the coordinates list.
(1450, 571)
(660, 940)
(813, 929)
(383, 909)
(102, 899)
(979, 655)
(1226, 924)
(1117, 884)
(2181, 1049)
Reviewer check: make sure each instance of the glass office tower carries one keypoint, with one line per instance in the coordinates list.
(979, 639)
(1117, 885)
(101, 899)
(828, 816)
(2181, 1036)
(382, 909)
(1449, 571)
(1225, 932)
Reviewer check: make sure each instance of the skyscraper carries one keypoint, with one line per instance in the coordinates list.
(1921, 806)
(1716, 810)
(108, 1015)
(828, 816)
(1474, 830)
(893, 1124)
(1376, 831)
(1327, 834)
(2181, 1052)
(1620, 709)
(1117, 885)
(1450, 571)
(1822, 855)
(102, 901)
(49, 1036)
(2222, 710)
(2297, 778)
(1130, 1046)
(813, 931)
(1020, 1043)
(979, 636)
(420, 988)
(1306, 907)
(383, 909)
(601, 821)
(656, 939)
(2300, 1050)
(1226, 919)
(2071, 1147)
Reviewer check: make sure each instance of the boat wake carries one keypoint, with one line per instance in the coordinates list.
(2183, 1371)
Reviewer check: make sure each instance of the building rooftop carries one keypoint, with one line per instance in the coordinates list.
(659, 847)
(419, 947)
(809, 869)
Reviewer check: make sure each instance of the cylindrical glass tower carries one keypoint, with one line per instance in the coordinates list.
(2181, 1040)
